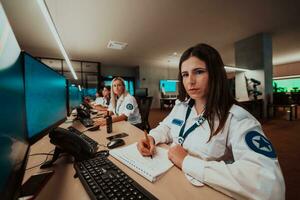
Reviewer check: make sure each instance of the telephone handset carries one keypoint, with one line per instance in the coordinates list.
(69, 142)
(84, 116)
(89, 108)
(87, 105)
(82, 113)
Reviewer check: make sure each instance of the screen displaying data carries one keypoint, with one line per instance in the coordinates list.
(168, 85)
(75, 97)
(13, 146)
(45, 97)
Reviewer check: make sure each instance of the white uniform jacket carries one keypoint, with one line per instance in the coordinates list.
(101, 101)
(128, 106)
(239, 161)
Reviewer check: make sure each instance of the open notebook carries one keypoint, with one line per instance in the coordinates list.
(145, 166)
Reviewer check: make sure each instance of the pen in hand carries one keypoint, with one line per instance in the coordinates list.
(147, 141)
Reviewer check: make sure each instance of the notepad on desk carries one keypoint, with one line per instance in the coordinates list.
(150, 168)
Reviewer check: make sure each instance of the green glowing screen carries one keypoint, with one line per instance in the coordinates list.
(286, 85)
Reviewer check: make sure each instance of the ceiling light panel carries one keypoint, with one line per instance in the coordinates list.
(116, 45)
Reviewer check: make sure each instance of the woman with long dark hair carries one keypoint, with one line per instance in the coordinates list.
(102, 99)
(213, 140)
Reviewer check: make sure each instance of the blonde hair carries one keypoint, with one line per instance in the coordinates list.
(113, 96)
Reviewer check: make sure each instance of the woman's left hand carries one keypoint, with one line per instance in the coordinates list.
(177, 154)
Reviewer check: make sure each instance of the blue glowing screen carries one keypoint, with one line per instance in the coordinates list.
(75, 96)
(13, 147)
(45, 96)
(168, 85)
(91, 92)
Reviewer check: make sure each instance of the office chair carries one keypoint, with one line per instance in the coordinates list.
(144, 105)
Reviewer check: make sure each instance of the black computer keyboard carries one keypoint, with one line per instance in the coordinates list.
(104, 180)
(87, 122)
(92, 142)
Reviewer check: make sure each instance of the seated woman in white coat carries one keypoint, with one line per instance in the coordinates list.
(213, 140)
(102, 99)
(122, 105)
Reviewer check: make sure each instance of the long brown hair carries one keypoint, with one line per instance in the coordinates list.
(219, 98)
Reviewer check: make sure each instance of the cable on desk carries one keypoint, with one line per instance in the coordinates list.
(47, 154)
(39, 154)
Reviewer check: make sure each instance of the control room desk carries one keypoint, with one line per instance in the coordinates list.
(63, 186)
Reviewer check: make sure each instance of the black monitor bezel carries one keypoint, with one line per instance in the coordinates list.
(45, 131)
(68, 98)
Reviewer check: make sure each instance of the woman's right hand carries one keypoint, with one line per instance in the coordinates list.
(146, 149)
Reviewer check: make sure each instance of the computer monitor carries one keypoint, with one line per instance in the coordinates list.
(286, 85)
(74, 97)
(13, 146)
(90, 92)
(168, 86)
(141, 92)
(45, 97)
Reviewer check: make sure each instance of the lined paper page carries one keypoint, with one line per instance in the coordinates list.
(147, 167)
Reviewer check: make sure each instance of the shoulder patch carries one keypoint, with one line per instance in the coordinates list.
(177, 122)
(260, 144)
(129, 106)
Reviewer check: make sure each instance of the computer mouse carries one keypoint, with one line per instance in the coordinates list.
(115, 143)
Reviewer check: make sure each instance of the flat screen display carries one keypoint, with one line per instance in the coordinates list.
(141, 92)
(91, 92)
(286, 85)
(13, 146)
(75, 97)
(45, 97)
(168, 85)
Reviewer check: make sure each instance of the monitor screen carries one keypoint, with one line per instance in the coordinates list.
(13, 147)
(286, 85)
(45, 98)
(75, 96)
(168, 85)
(141, 92)
(91, 92)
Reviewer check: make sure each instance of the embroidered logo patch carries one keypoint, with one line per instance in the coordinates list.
(129, 106)
(177, 122)
(260, 144)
